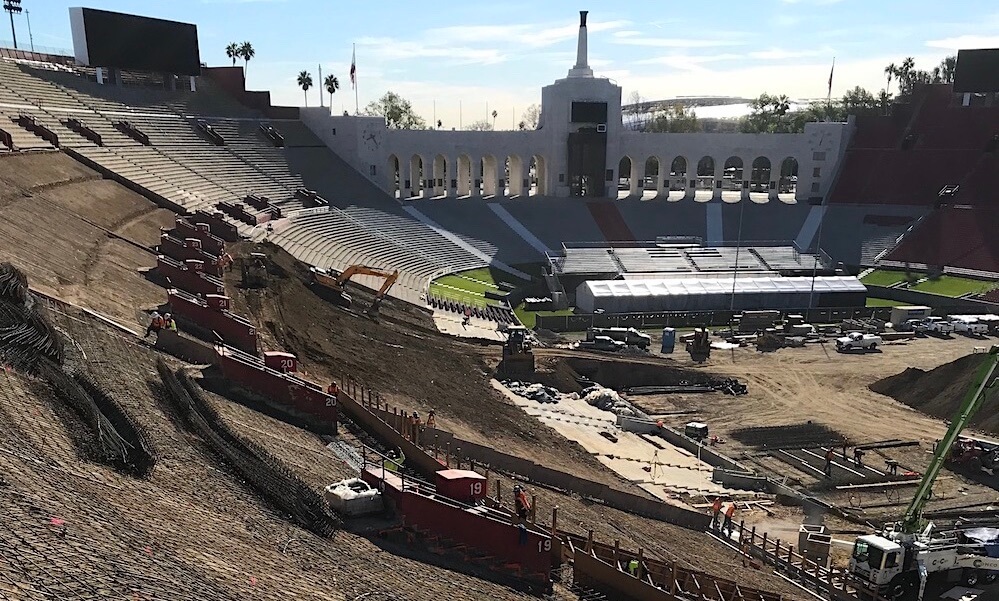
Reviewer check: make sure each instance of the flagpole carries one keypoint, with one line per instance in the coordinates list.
(321, 86)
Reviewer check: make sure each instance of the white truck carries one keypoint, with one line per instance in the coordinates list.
(858, 340)
(970, 326)
(938, 325)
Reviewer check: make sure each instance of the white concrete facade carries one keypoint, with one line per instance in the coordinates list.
(415, 164)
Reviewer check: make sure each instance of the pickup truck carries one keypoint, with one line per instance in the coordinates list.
(918, 326)
(857, 340)
(938, 325)
(971, 328)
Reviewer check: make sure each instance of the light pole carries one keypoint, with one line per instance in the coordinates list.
(12, 6)
(31, 38)
(738, 246)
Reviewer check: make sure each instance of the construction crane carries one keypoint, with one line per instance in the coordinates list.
(336, 284)
(897, 563)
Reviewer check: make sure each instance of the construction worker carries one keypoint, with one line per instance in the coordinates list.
(432, 419)
(394, 460)
(333, 390)
(716, 509)
(521, 503)
(858, 456)
(633, 567)
(169, 323)
(828, 467)
(416, 421)
(155, 324)
(892, 466)
(729, 514)
(226, 261)
(411, 422)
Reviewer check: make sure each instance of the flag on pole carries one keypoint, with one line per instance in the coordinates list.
(353, 68)
(829, 92)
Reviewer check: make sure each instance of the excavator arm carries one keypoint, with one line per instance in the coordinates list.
(390, 276)
(984, 379)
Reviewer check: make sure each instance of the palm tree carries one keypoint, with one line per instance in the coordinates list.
(947, 67)
(331, 83)
(905, 75)
(247, 52)
(232, 51)
(305, 82)
(891, 70)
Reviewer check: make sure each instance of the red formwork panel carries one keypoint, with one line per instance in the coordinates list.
(187, 276)
(525, 550)
(210, 243)
(461, 485)
(213, 320)
(281, 361)
(287, 393)
(219, 226)
(189, 248)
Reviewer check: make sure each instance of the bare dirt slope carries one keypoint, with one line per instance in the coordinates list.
(940, 391)
(55, 215)
(402, 357)
(193, 529)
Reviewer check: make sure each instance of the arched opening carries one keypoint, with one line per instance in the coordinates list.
(788, 183)
(624, 175)
(440, 175)
(490, 175)
(414, 184)
(516, 181)
(651, 180)
(392, 176)
(538, 175)
(464, 175)
(732, 174)
(760, 180)
(706, 173)
(678, 175)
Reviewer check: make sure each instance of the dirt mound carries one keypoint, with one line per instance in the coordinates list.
(939, 392)
(402, 356)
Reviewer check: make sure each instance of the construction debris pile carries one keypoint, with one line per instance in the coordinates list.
(729, 386)
(535, 392)
(609, 400)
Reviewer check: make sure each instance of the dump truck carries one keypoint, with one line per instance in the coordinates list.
(898, 562)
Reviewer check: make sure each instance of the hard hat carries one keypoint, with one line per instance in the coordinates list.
(167, 316)
(156, 313)
(416, 414)
(516, 487)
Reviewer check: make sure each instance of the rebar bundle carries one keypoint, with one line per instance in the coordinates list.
(13, 284)
(267, 474)
(140, 457)
(26, 336)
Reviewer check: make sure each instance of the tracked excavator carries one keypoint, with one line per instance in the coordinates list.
(334, 284)
(898, 562)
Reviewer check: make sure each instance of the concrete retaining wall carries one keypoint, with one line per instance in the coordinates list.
(743, 480)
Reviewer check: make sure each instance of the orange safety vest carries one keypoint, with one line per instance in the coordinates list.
(522, 502)
(333, 389)
(730, 510)
(716, 506)
(157, 322)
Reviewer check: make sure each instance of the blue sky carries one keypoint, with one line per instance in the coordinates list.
(501, 53)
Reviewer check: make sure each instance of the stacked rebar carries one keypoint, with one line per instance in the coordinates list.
(140, 456)
(267, 474)
(25, 332)
(13, 284)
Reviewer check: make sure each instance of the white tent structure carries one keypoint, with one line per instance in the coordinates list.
(716, 294)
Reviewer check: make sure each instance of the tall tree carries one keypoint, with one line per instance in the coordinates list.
(859, 101)
(495, 114)
(769, 115)
(531, 117)
(232, 51)
(332, 84)
(247, 52)
(397, 112)
(947, 67)
(305, 82)
(890, 71)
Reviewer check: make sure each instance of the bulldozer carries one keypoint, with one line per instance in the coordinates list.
(518, 360)
(253, 270)
(699, 345)
(335, 284)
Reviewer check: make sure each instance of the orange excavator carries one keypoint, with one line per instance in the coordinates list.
(336, 283)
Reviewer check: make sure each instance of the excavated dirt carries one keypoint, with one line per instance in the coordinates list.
(402, 357)
(77, 236)
(940, 391)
